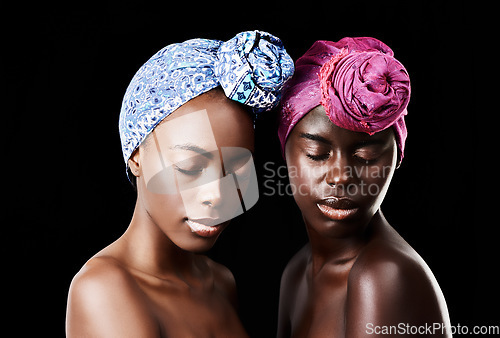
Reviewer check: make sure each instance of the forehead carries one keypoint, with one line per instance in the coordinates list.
(210, 121)
(192, 128)
(316, 122)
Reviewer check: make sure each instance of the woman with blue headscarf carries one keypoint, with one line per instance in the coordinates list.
(186, 128)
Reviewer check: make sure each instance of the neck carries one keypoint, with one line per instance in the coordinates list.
(149, 250)
(338, 250)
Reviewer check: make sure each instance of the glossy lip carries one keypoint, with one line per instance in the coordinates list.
(205, 227)
(337, 208)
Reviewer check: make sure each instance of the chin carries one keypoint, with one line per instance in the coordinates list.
(333, 229)
(330, 228)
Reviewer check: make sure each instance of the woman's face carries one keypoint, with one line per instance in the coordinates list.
(339, 177)
(195, 169)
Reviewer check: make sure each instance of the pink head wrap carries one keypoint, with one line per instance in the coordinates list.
(360, 84)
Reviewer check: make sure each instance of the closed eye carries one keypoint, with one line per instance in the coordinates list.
(369, 153)
(189, 172)
(364, 160)
(318, 158)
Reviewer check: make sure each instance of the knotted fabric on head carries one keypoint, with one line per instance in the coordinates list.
(251, 68)
(358, 81)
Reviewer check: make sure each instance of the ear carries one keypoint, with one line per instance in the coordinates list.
(134, 163)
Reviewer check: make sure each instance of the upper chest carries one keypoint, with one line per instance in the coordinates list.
(185, 312)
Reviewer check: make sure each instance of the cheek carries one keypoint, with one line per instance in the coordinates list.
(375, 183)
(163, 208)
(167, 212)
(305, 181)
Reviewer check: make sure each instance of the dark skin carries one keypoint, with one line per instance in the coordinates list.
(153, 281)
(356, 273)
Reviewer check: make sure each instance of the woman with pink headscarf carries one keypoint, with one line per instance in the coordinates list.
(342, 132)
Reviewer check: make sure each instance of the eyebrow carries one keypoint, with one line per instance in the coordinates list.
(369, 142)
(195, 148)
(315, 137)
(363, 143)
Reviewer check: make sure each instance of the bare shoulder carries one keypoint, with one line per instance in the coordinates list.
(388, 261)
(104, 299)
(391, 284)
(100, 272)
(290, 282)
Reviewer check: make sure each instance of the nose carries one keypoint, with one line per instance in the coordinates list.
(210, 193)
(339, 172)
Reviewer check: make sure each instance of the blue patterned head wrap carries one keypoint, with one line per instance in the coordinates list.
(251, 68)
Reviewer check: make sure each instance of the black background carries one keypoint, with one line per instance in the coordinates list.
(66, 70)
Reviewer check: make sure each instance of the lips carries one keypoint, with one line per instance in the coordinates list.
(205, 227)
(337, 208)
